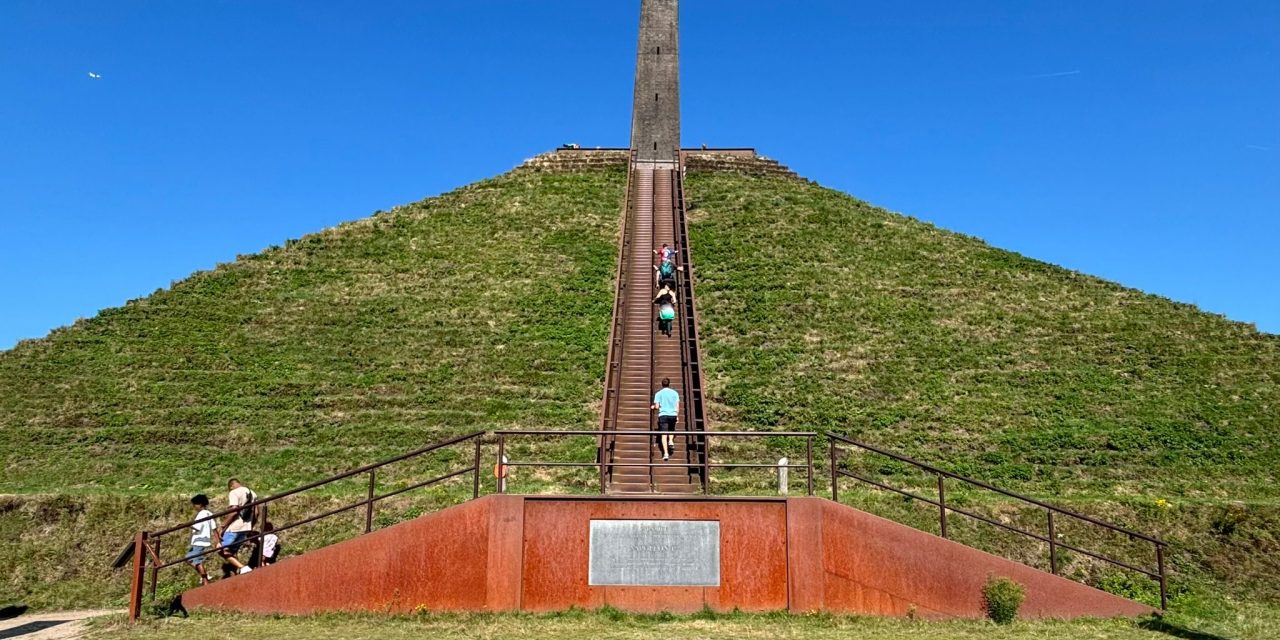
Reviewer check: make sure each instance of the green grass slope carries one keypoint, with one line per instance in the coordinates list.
(484, 308)
(820, 311)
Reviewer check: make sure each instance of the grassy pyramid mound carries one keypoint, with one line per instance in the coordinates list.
(488, 307)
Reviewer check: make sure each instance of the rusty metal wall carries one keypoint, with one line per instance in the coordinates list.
(436, 561)
(508, 553)
(879, 567)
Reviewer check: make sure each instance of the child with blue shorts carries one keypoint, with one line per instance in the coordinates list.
(202, 533)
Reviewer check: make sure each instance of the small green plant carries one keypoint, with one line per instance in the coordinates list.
(1228, 519)
(707, 613)
(612, 614)
(1002, 597)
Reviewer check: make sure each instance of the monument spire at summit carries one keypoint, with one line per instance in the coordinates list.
(655, 114)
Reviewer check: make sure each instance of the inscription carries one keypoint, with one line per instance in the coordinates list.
(658, 553)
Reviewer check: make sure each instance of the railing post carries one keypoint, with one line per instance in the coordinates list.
(475, 476)
(155, 570)
(808, 460)
(500, 470)
(835, 485)
(942, 506)
(262, 522)
(1050, 510)
(600, 459)
(368, 512)
(706, 464)
(139, 572)
(653, 427)
(1053, 545)
(1164, 585)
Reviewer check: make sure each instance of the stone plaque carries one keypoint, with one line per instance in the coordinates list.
(656, 553)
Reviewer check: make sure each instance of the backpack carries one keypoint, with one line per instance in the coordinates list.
(247, 514)
(667, 268)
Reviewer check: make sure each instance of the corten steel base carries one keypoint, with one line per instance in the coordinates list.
(513, 553)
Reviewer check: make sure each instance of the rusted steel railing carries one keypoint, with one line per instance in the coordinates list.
(690, 351)
(145, 548)
(617, 332)
(1159, 574)
(705, 464)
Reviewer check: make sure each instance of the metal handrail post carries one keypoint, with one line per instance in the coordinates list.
(475, 476)
(706, 465)
(500, 470)
(1053, 545)
(600, 461)
(139, 572)
(942, 506)
(835, 474)
(808, 455)
(368, 512)
(155, 567)
(1164, 585)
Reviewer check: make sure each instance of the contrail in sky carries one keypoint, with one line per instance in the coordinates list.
(1058, 74)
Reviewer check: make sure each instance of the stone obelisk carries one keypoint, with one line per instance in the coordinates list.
(655, 114)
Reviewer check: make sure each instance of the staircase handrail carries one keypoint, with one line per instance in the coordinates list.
(613, 373)
(1160, 573)
(146, 544)
(695, 411)
(808, 466)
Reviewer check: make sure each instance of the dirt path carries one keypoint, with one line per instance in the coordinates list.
(54, 625)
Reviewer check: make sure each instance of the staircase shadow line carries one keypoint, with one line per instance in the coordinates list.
(1161, 625)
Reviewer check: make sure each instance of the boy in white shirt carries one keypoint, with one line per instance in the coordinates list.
(203, 533)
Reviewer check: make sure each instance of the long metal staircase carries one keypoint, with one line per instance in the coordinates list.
(640, 356)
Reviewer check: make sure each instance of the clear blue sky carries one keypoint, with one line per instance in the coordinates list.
(1138, 141)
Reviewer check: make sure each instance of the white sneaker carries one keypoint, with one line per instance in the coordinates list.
(245, 569)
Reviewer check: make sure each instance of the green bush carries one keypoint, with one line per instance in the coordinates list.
(1002, 596)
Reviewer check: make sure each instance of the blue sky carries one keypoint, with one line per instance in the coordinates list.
(1137, 141)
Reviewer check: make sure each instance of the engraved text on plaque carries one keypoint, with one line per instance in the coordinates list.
(683, 553)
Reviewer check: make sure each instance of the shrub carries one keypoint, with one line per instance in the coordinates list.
(1002, 596)
(1132, 587)
(1228, 519)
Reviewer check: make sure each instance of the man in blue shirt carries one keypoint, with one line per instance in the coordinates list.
(667, 402)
